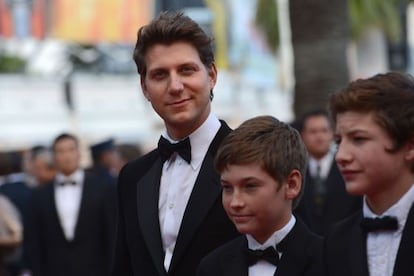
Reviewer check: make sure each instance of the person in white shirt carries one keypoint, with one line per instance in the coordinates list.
(262, 163)
(375, 137)
(170, 212)
(72, 218)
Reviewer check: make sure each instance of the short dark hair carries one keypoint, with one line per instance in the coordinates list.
(64, 136)
(389, 96)
(169, 27)
(316, 112)
(268, 142)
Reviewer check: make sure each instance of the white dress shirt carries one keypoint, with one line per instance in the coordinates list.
(264, 268)
(382, 247)
(325, 164)
(67, 200)
(177, 181)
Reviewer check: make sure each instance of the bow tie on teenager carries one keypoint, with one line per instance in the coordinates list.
(269, 255)
(183, 148)
(386, 223)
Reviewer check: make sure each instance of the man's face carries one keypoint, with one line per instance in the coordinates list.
(178, 86)
(362, 157)
(67, 156)
(317, 135)
(254, 201)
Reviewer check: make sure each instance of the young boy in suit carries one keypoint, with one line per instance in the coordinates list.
(374, 120)
(261, 165)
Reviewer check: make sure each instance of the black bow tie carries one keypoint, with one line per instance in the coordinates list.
(183, 148)
(386, 223)
(269, 255)
(67, 183)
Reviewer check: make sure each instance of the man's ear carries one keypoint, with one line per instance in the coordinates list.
(144, 88)
(293, 184)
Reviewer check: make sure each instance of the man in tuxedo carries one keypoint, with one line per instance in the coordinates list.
(72, 219)
(261, 165)
(375, 136)
(104, 160)
(325, 200)
(170, 211)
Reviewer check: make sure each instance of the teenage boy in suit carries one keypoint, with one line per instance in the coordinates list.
(72, 219)
(325, 200)
(261, 165)
(375, 136)
(170, 211)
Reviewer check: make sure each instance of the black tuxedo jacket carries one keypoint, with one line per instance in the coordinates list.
(346, 254)
(205, 225)
(337, 206)
(89, 253)
(301, 256)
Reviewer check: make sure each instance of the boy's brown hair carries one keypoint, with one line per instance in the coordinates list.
(267, 142)
(389, 96)
(170, 27)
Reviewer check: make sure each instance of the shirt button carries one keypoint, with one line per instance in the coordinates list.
(171, 205)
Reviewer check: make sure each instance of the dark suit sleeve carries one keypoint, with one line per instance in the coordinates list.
(209, 266)
(121, 264)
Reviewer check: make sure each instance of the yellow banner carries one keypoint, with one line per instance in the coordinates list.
(93, 21)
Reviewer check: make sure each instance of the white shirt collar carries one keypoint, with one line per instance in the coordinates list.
(201, 139)
(325, 163)
(400, 209)
(274, 239)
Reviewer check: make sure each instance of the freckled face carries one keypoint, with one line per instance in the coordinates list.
(178, 86)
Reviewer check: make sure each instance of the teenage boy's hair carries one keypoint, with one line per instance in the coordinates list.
(389, 96)
(267, 142)
(170, 27)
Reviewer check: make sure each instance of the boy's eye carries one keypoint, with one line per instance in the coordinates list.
(359, 139)
(226, 188)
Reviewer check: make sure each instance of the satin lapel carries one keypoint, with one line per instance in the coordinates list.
(293, 260)
(83, 205)
(205, 192)
(404, 260)
(235, 262)
(358, 249)
(147, 204)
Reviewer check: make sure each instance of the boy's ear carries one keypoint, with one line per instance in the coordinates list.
(410, 150)
(293, 184)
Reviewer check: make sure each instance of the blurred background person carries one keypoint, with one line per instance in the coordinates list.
(11, 232)
(104, 160)
(17, 190)
(72, 219)
(325, 200)
(124, 153)
(43, 167)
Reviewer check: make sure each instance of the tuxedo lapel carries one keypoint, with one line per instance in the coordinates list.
(293, 261)
(357, 249)
(404, 260)
(235, 262)
(83, 205)
(147, 204)
(206, 191)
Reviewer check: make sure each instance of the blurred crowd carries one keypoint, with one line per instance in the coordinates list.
(29, 174)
